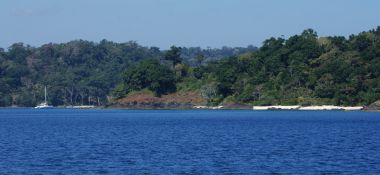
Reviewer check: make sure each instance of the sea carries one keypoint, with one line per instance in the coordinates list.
(106, 141)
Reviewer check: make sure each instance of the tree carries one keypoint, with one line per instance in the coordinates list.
(174, 55)
(152, 75)
(200, 58)
(209, 92)
(301, 69)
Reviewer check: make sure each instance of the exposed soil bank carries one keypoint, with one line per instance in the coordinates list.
(191, 100)
(146, 100)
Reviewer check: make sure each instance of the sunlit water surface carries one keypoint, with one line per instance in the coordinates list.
(62, 141)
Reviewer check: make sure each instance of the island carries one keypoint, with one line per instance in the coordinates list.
(301, 72)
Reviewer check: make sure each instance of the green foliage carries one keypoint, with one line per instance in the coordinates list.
(24, 99)
(150, 74)
(77, 72)
(302, 69)
(83, 72)
(119, 91)
(189, 84)
(174, 55)
(209, 92)
(196, 56)
(5, 100)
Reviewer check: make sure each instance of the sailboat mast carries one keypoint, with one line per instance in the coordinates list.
(45, 95)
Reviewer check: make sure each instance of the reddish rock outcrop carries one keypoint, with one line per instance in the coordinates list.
(146, 100)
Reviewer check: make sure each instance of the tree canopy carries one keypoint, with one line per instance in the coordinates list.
(150, 74)
(302, 69)
(79, 72)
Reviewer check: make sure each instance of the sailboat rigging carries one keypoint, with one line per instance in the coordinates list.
(45, 104)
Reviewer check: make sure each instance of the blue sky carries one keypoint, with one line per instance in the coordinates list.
(162, 23)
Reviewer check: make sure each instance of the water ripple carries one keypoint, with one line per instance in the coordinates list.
(188, 142)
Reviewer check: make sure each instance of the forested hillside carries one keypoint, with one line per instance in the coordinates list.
(193, 55)
(80, 72)
(304, 69)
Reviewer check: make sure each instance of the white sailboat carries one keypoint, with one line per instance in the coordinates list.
(45, 104)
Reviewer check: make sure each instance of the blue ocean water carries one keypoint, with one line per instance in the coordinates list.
(63, 141)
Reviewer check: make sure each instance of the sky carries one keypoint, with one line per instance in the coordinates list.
(163, 23)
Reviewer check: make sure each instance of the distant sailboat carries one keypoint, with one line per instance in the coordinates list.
(44, 105)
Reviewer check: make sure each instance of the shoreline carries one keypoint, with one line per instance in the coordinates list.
(311, 108)
(197, 107)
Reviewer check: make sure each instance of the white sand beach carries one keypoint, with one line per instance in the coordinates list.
(311, 108)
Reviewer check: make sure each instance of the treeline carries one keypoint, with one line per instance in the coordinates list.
(304, 69)
(193, 56)
(80, 72)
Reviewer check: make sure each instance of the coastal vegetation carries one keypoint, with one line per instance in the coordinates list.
(304, 69)
(85, 73)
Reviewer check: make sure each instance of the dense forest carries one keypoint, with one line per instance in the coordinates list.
(302, 69)
(81, 72)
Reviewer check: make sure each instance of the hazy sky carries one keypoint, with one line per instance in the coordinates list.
(163, 23)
